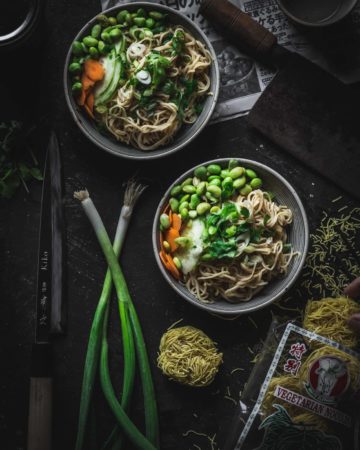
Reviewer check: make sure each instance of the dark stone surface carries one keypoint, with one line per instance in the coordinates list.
(181, 409)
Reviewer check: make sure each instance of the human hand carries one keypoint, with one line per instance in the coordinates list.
(353, 291)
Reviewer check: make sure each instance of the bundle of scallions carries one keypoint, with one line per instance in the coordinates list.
(132, 340)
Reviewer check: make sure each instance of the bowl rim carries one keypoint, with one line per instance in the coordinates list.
(332, 21)
(208, 306)
(146, 155)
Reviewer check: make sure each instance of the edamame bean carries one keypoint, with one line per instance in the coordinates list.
(215, 182)
(250, 173)
(213, 177)
(112, 21)
(103, 20)
(177, 262)
(184, 213)
(106, 37)
(214, 209)
(202, 208)
(196, 181)
(256, 183)
(236, 172)
(115, 34)
(150, 22)
(139, 21)
(183, 241)
(184, 198)
(189, 189)
(212, 230)
(228, 181)
(174, 204)
(94, 53)
(156, 15)
(165, 221)
(85, 49)
(89, 41)
(102, 47)
(246, 190)
(184, 204)
(201, 188)
(175, 190)
(201, 172)
(232, 164)
(77, 48)
(166, 246)
(214, 190)
(121, 16)
(206, 257)
(192, 214)
(239, 182)
(76, 88)
(75, 68)
(214, 169)
(96, 31)
(148, 33)
(225, 173)
(128, 19)
(186, 182)
(194, 201)
(210, 197)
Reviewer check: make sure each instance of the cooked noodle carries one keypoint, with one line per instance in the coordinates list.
(239, 279)
(154, 124)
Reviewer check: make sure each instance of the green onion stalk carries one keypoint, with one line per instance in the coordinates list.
(151, 441)
(132, 193)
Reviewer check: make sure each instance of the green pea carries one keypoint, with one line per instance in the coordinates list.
(175, 191)
(183, 205)
(96, 31)
(233, 163)
(139, 21)
(121, 16)
(239, 182)
(165, 221)
(75, 68)
(214, 169)
(186, 182)
(256, 183)
(77, 48)
(212, 230)
(215, 182)
(189, 189)
(89, 41)
(115, 34)
(94, 52)
(201, 172)
(184, 213)
(194, 201)
(246, 190)
(192, 214)
(156, 15)
(106, 37)
(250, 173)
(225, 173)
(150, 22)
(202, 208)
(214, 209)
(76, 88)
(214, 190)
(102, 47)
(201, 188)
(184, 198)
(174, 204)
(141, 12)
(183, 241)
(228, 181)
(177, 262)
(236, 172)
(166, 246)
(213, 177)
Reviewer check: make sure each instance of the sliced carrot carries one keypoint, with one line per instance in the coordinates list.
(90, 101)
(169, 264)
(163, 258)
(86, 82)
(170, 235)
(176, 222)
(170, 214)
(88, 110)
(94, 69)
(82, 98)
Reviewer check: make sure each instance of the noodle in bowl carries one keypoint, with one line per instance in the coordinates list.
(252, 246)
(166, 87)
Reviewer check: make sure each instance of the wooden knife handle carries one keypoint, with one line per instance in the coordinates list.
(239, 28)
(40, 401)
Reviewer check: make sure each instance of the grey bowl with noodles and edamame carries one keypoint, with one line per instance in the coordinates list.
(243, 205)
(186, 132)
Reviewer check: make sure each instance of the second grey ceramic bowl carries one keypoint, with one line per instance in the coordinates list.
(186, 133)
(298, 237)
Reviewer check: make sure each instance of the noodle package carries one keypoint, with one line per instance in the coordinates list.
(300, 396)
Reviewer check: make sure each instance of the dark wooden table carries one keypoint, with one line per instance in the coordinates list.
(209, 410)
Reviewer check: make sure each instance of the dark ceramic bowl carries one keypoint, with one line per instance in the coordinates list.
(186, 133)
(298, 236)
(317, 13)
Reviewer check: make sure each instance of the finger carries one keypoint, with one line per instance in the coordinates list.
(354, 322)
(353, 290)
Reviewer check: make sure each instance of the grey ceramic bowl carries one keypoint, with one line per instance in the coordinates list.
(316, 13)
(298, 237)
(187, 132)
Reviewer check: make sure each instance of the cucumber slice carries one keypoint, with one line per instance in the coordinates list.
(109, 63)
(109, 92)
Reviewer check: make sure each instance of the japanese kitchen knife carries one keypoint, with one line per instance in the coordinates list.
(50, 311)
(305, 110)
